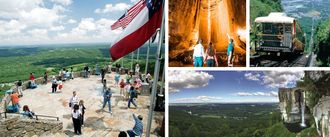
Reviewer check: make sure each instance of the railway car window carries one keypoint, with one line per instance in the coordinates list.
(267, 27)
(288, 28)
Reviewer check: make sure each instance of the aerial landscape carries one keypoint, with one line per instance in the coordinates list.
(249, 104)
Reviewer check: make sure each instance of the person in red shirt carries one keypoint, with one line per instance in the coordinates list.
(14, 99)
(32, 79)
(122, 85)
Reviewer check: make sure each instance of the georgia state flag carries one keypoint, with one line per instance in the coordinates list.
(139, 30)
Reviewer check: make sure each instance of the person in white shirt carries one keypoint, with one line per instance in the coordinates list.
(198, 55)
(137, 69)
(73, 100)
(76, 119)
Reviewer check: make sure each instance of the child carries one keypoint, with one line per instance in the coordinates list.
(122, 86)
(82, 110)
(60, 85)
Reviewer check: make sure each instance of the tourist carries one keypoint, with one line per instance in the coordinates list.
(198, 54)
(76, 119)
(210, 56)
(107, 99)
(82, 110)
(86, 69)
(67, 75)
(15, 99)
(127, 78)
(19, 88)
(122, 134)
(60, 85)
(127, 88)
(122, 86)
(137, 69)
(45, 77)
(102, 74)
(71, 73)
(61, 74)
(73, 100)
(132, 94)
(27, 112)
(117, 78)
(148, 77)
(54, 84)
(104, 85)
(230, 51)
(138, 127)
(32, 81)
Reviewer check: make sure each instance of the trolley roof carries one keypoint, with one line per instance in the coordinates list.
(275, 17)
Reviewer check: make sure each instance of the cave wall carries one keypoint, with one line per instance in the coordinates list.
(209, 20)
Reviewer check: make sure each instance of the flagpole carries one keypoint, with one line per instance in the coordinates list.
(163, 79)
(132, 61)
(137, 57)
(156, 75)
(146, 68)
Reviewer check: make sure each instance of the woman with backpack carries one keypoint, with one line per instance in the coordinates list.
(210, 56)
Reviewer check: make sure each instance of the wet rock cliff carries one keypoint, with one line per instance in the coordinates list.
(310, 101)
(209, 20)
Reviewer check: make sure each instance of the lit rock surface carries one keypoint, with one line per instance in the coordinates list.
(210, 20)
(97, 123)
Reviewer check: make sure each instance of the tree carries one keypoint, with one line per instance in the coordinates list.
(193, 131)
(174, 132)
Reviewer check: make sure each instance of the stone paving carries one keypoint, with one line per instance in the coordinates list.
(97, 122)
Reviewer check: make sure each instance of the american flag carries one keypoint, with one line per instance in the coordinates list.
(124, 20)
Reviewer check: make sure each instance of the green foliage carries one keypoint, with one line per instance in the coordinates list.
(3, 89)
(323, 42)
(18, 62)
(278, 130)
(260, 8)
(193, 131)
(174, 132)
(309, 132)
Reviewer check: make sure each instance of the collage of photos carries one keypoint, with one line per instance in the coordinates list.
(165, 68)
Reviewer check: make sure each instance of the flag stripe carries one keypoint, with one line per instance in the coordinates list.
(132, 12)
(133, 39)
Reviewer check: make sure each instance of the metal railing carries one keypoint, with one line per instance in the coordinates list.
(35, 116)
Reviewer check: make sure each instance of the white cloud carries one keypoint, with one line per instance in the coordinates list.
(63, 2)
(134, 1)
(267, 94)
(251, 76)
(276, 79)
(87, 24)
(179, 79)
(111, 8)
(57, 28)
(11, 8)
(197, 99)
(72, 21)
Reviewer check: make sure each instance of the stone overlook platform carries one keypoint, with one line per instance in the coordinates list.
(97, 123)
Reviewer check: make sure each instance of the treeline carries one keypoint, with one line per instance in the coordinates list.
(181, 124)
(322, 43)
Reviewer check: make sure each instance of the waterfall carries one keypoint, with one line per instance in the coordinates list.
(303, 110)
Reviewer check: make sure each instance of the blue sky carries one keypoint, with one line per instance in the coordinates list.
(228, 86)
(24, 22)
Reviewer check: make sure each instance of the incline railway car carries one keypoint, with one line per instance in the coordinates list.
(278, 33)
